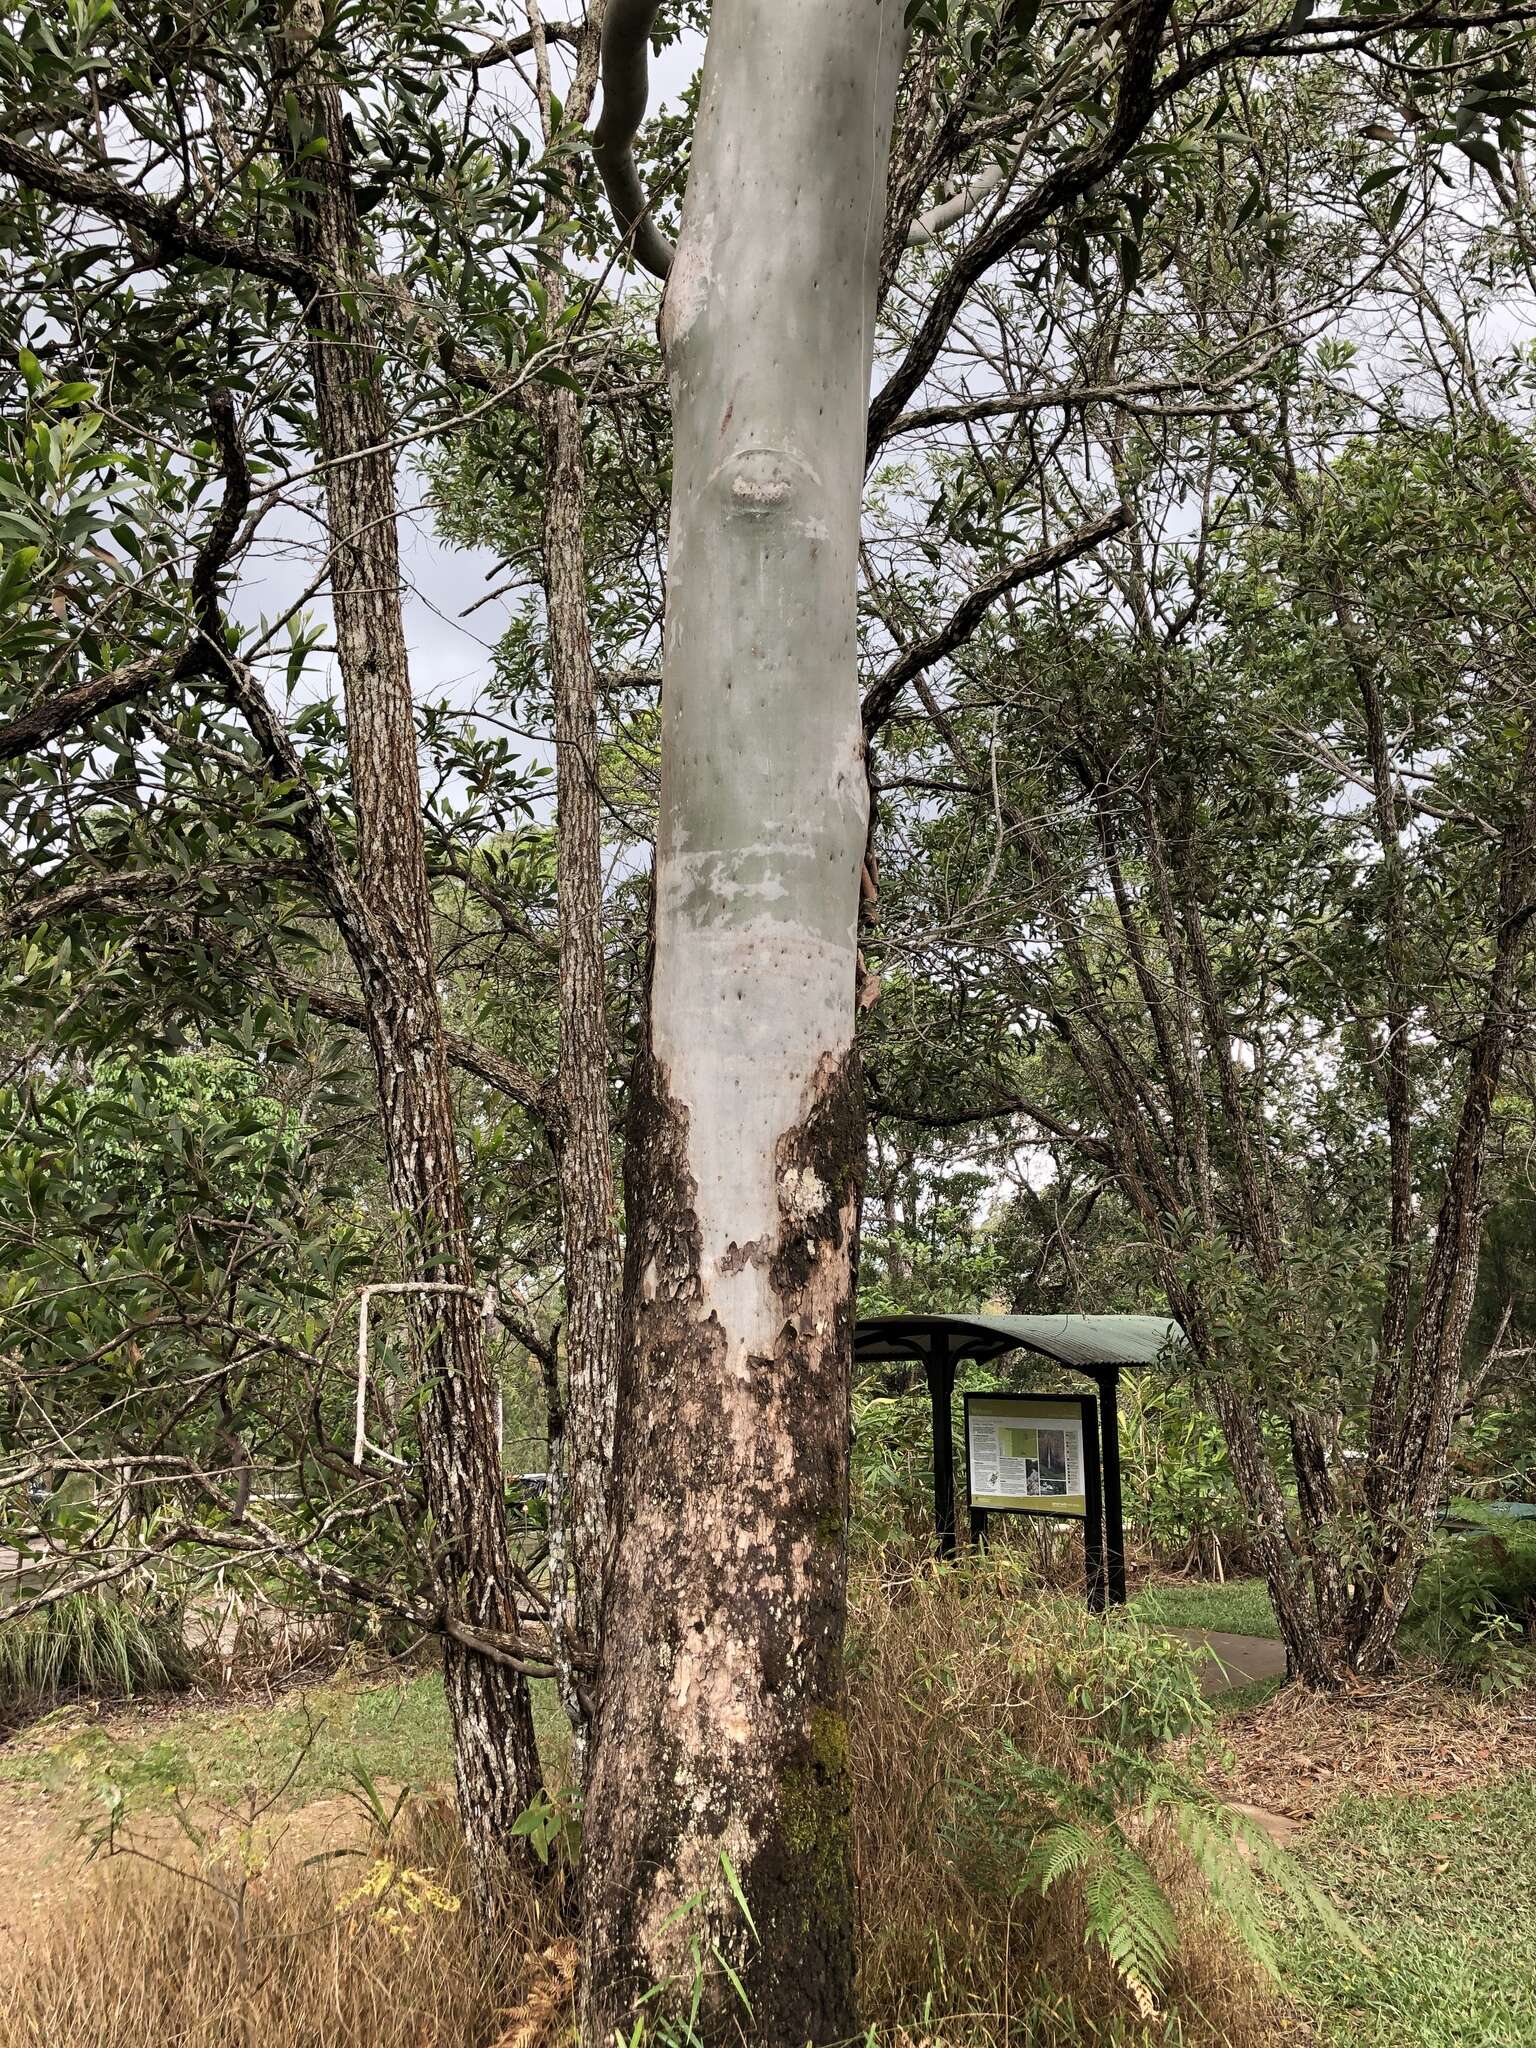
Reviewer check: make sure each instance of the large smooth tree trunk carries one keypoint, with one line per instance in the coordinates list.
(495, 1756)
(721, 1754)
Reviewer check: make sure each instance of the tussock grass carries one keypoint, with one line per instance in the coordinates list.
(93, 1645)
(367, 1952)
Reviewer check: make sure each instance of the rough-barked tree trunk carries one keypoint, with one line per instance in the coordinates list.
(495, 1756)
(589, 1230)
(721, 1753)
(1425, 1406)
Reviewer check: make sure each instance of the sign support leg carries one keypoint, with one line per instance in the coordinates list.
(1114, 1509)
(941, 1389)
(1093, 1523)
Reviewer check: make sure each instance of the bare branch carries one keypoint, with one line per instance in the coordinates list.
(498, 1072)
(1138, 99)
(996, 1112)
(626, 86)
(507, 47)
(1142, 46)
(127, 890)
(880, 698)
(930, 225)
(1145, 398)
(70, 709)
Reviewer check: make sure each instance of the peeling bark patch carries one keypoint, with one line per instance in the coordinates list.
(721, 1730)
(816, 1165)
(739, 1256)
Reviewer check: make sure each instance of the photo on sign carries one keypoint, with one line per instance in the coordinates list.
(1043, 1455)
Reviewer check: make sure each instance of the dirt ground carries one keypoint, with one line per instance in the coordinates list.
(47, 1857)
(1298, 1751)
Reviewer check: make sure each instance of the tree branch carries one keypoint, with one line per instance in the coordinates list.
(498, 1072)
(626, 86)
(507, 47)
(1134, 106)
(119, 892)
(996, 1112)
(160, 221)
(70, 709)
(1138, 397)
(880, 698)
(927, 227)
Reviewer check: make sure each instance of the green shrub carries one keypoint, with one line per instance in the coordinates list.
(1134, 1684)
(1179, 1496)
(1473, 1610)
(97, 1644)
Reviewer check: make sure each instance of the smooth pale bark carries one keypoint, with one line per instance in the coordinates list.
(495, 1756)
(721, 1745)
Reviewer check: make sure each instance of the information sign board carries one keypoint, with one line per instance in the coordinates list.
(1032, 1454)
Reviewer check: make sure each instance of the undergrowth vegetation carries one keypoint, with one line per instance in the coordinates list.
(372, 1952)
(1474, 1607)
(1029, 1871)
(94, 1644)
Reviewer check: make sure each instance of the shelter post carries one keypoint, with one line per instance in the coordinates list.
(941, 1390)
(1114, 1507)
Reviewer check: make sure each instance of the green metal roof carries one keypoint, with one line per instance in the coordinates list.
(1083, 1342)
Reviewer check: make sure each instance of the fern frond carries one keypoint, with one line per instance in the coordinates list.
(1130, 1916)
(1060, 1852)
(1212, 1836)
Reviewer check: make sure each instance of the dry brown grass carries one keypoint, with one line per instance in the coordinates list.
(944, 1667)
(257, 1948)
(236, 1951)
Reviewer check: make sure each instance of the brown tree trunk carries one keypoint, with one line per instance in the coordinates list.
(1431, 1395)
(495, 1755)
(590, 1236)
(593, 1261)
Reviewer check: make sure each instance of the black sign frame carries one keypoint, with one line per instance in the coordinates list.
(1092, 1518)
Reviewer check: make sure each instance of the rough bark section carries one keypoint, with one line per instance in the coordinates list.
(723, 1649)
(589, 1226)
(591, 1240)
(1433, 1393)
(495, 1755)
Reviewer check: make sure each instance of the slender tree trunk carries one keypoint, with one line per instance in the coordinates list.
(593, 1261)
(721, 1755)
(590, 1236)
(495, 1755)
(1434, 1386)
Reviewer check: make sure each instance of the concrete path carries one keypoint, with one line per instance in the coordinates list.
(1233, 1660)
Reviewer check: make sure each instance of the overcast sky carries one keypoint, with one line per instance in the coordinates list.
(450, 653)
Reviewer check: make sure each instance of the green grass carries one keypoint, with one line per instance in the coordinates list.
(93, 1643)
(398, 1728)
(1442, 1892)
(1240, 1607)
